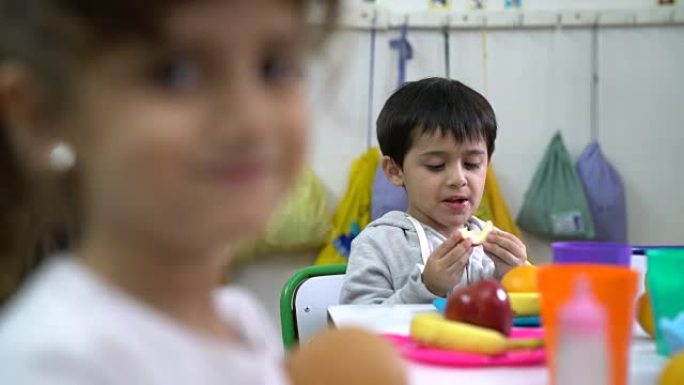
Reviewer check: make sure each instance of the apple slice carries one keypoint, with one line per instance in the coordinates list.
(478, 237)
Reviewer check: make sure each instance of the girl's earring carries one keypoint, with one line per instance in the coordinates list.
(62, 157)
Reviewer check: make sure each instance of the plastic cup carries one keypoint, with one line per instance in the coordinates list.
(614, 287)
(592, 252)
(665, 282)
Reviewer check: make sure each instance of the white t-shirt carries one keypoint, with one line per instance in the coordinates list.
(67, 326)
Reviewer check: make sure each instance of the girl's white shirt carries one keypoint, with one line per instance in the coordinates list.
(68, 326)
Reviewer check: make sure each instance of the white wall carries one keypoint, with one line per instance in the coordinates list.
(547, 5)
(538, 81)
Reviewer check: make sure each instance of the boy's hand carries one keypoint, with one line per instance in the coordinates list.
(444, 268)
(507, 251)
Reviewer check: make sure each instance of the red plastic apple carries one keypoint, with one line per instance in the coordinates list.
(484, 304)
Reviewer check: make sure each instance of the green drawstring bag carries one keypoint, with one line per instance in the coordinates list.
(555, 205)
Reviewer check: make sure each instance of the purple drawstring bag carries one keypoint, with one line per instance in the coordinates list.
(605, 194)
(386, 197)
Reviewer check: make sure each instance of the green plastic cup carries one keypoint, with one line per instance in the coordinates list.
(665, 281)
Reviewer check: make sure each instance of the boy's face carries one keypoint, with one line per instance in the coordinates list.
(444, 180)
(194, 142)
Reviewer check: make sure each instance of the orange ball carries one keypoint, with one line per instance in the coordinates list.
(521, 279)
(347, 356)
(644, 314)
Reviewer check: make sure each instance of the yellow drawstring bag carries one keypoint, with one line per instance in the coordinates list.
(493, 206)
(354, 212)
(302, 222)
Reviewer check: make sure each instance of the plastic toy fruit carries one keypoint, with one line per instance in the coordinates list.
(484, 304)
(346, 356)
(644, 313)
(478, 237)
(521, 279)
(431, 329)
(525, 304)
(673, 374)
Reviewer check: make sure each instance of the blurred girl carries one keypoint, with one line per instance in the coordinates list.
(144, 138)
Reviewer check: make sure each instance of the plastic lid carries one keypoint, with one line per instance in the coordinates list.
(582, 312)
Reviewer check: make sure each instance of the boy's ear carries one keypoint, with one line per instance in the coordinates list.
(392, 171)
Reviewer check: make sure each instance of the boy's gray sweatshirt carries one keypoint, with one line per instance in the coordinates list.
(383, 264)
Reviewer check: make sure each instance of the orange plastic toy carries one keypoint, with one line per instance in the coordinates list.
(521, 279)
(614, 287)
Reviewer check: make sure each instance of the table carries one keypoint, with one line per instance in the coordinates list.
(645, 364)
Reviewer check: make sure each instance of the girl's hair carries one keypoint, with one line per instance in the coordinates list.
(39, 213)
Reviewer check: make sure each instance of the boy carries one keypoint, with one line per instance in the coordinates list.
(437, 137)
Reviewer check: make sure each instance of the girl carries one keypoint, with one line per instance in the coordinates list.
(145, 138)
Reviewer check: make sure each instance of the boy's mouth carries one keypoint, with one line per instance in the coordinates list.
(456, 202)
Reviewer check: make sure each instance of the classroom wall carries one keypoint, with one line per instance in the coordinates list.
(496, 5)
(538, 81)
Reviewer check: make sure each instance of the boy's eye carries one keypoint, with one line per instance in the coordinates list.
(277, 69)
(471, 166)
(179, 74)
(435, 167)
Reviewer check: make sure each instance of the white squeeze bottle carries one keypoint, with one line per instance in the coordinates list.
(582, 352)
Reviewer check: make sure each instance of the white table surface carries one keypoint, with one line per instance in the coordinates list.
(645, 364)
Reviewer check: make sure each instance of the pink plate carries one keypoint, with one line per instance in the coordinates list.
(525, 357)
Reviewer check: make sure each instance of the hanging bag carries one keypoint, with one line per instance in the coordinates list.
(302, 222)
(555, 205)
(386, 196)
(605, 194)
(353, 212)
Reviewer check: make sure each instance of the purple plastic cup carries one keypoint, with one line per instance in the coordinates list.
(606, 253)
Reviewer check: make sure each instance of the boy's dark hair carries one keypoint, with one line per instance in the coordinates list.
(434, 105)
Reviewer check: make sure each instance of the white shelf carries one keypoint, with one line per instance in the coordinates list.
(367, 16)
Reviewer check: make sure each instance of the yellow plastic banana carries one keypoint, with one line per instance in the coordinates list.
(432, 329)
(525, 304)
(478, 237)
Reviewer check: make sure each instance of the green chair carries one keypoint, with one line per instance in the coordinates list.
(305, 299)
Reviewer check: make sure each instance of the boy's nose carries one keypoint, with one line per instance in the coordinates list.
(456, 178)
